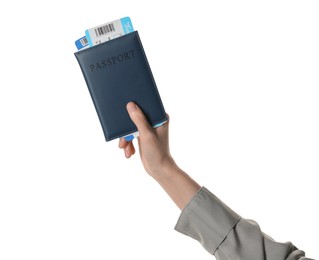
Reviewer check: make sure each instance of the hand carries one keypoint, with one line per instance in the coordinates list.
(153, 143)
(157, 160)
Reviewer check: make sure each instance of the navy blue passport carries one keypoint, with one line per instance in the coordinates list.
(117, 72)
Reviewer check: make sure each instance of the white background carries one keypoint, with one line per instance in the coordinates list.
(240, 83)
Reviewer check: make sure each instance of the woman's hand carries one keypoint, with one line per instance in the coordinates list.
(153, 143)
(157, 160)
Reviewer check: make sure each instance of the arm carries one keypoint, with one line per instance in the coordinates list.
(157, 160)
(204, 217)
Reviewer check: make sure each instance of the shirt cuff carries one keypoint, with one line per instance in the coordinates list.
(207, 219)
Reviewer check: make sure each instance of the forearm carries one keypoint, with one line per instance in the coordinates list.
(156, 158)
(178, 184)
(204, 217)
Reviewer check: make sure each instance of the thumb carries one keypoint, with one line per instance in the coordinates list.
(138, 118)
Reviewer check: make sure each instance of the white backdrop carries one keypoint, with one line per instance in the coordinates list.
(240, 83)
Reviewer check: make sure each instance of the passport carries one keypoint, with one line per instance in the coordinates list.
(117, 72)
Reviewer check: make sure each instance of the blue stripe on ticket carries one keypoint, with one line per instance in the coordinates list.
(81, 43)
(87, 35)
(127, 25)
(129, 138)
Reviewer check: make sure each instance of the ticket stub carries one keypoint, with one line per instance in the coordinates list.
(81, 43)
(108, 31)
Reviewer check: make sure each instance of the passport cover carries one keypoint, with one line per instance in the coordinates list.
(117, 72)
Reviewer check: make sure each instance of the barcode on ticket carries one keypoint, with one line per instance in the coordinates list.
(104, 29)
(84, 41)
(108, 31)
(81, 43)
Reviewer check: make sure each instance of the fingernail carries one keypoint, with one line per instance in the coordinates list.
(127, 153)
(131, 106)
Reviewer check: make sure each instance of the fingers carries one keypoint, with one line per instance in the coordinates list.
(129, 150)
(122, 143)
(146, 132)
(163, 128)
(128, 147)
(138, 118)
(142, 125)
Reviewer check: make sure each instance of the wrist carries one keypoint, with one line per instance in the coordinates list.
(177, 183)
(167, 170)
